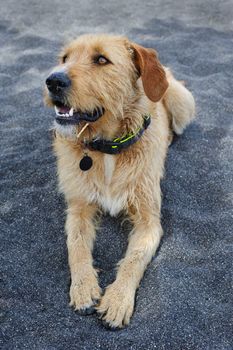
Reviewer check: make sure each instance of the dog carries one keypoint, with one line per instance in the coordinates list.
(117, 109)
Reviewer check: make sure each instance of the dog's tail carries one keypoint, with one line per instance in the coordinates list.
(179, 103)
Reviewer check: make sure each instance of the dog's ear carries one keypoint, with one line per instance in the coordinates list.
(151, 72)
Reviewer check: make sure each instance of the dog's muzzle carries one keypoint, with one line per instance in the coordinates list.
(58, 84)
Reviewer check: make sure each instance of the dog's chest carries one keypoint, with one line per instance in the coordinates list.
(108, 198)
(109, 167)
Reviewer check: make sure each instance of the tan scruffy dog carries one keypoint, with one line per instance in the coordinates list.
(116, 110)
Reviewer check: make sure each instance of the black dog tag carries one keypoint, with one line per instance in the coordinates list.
(85, 163)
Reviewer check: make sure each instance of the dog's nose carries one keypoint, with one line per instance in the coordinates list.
(58, 82)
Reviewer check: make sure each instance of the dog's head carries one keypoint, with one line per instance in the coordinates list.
(99, 74)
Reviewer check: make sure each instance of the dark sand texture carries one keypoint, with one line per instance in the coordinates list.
(185, 299)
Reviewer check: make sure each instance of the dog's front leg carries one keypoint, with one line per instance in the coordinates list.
(117, 304)
(84, 289)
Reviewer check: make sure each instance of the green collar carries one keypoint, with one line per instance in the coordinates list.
(120, 143)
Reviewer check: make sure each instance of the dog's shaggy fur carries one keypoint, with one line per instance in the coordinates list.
(130, 84)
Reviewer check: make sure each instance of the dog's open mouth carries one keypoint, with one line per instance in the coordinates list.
(68, 115)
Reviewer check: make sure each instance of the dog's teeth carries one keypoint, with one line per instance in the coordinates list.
(56, 110)
(71, 112)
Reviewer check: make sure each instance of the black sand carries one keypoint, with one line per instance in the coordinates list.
(185, 299)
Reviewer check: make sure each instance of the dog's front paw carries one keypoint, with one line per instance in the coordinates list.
(85, 291)
(116, 306)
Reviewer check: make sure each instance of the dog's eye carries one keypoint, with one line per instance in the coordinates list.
(101, 60)
(64, 58)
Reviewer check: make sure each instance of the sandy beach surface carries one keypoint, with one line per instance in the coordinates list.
(185, 299)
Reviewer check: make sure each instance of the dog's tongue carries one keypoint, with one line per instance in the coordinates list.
(63, 109)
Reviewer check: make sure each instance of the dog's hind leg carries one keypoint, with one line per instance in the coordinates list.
(179, 103)
(84, 289)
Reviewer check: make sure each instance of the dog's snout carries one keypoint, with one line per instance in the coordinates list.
(58, 82)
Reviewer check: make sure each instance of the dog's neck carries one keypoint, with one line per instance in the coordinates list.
(115, 123)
